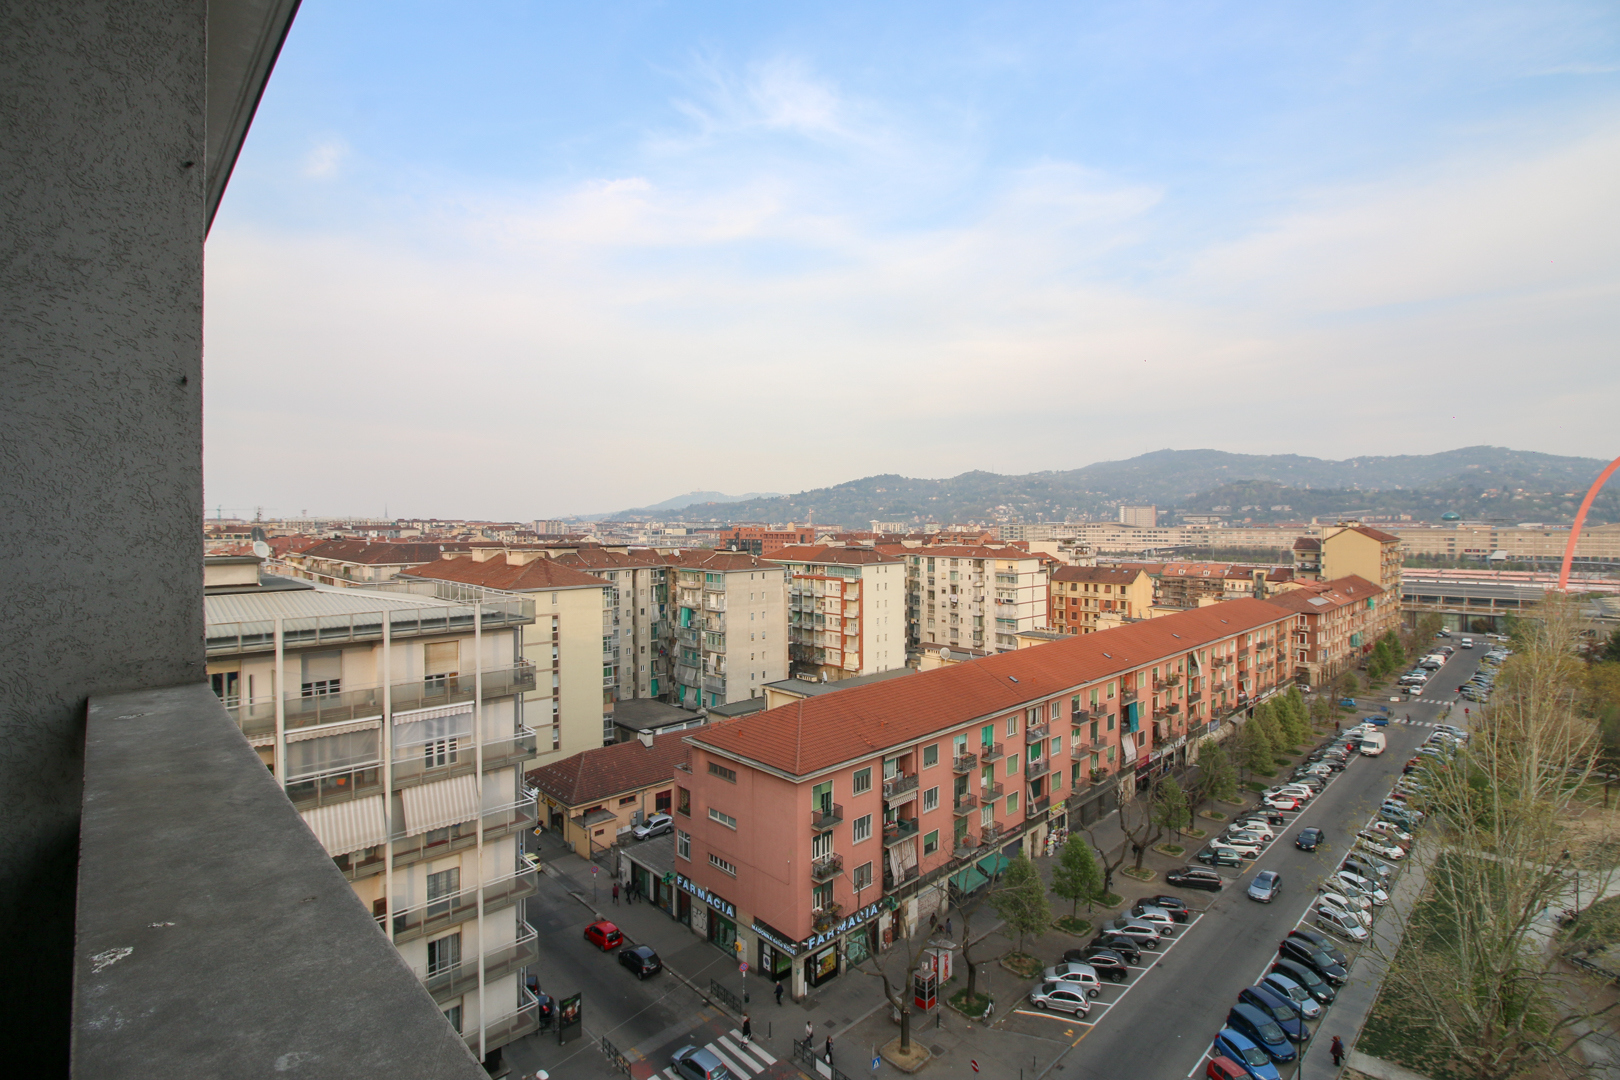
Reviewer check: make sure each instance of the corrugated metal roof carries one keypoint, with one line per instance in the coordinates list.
(306, 603)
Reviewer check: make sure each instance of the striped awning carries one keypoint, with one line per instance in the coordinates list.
(348, 826)
(414, 715)
(1128, 744)
(300, 734)
(434, 806)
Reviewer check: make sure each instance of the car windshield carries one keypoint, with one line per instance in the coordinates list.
(1271, 1033)
(1253, 1055)
(1279, 1012)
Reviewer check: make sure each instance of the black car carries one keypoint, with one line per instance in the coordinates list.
(1126, 947)
(1196, 877)
(1303, 952)
(1309, 839)
(641, 960)
(1172, 905)
(1106, 963)
(1305, 976)
(1322, 943)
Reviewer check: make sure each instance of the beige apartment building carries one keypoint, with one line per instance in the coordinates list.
(636, 634)
(393, 719)
(972, 597)
(1084, 599)
(1597, 549)
(730, 615)
(846, 610)
(570, 704)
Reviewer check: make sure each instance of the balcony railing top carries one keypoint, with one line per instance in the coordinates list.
(989, 752)
(826, 816)
(828, 866)
(1036, 732)
(1038, 767)
(900, 784)
(413, 620)
(964, 763)
(964, 802)
(896, 831)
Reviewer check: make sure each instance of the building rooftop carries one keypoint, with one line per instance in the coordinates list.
(818, 733)
(816, 688)
(716, 562)
(531, 575)
(843, 555)
(648, 714)
(604, 771)
(1375, 534)
(366, 553)
(1116, 575)
(1316, 596)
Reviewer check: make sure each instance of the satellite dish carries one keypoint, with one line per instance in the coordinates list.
(261, 549)
(944, 653)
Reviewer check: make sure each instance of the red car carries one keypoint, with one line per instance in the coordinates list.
(1224, 1068)
(604, 935)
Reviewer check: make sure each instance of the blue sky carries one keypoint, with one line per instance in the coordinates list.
(523, 260)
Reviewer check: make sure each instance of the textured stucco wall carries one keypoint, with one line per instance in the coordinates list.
(100, 431)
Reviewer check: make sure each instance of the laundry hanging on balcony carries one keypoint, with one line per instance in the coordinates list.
(348, 826)
(436, 806)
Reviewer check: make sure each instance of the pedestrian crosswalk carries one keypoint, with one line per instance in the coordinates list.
(742, 1059)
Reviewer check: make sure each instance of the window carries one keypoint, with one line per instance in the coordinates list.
(453, 1013)
(1012, 764)
(931, 799)
(1057, 745)
(661, 802)
(725, 819)
(861, 828)
(721, 865)
(444, 954)
(1054, 711)
(1012, 725)
(821, 896)
(931, 755)
(722, 772)
(862, 781)
(931, 843)
(683, 801)
(1012, 802)
(683, 844)
(862, 878)
(442, 887)
(987, 735)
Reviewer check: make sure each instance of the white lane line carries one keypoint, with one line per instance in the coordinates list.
(754, 1048)
(736, 1069)
(1050, 1016)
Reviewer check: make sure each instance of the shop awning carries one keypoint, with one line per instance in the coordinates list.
(348, 826)
(979, 874)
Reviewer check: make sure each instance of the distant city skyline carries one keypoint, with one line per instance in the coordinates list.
(540, 261)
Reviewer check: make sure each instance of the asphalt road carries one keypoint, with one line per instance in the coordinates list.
(1161, 1022)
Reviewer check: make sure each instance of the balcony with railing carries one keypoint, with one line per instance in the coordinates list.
(991, 792)
(1036, 768)
(825, 915)
(895, 832)
(989, 752)
(1040, 805)
(964, 803)
(907, 874)
(1036, 732)
(259, 635)
(826, 816)
(992, 833)
(964, 763)
(827, 867)
(449, 982)
(427, 918)
(1126, 696)
(509, 1027)
(899, 785)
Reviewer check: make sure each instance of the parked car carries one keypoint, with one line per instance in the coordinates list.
(1337, 921)
(1224, 1068)
(1319, 961)
(1258, 827)
(657, 825)
(1107, 963)
(1218, 855)
(1156, 917)
(1320, 941)
(1356, 885)
(1309, 839)
(1175, 905)
(1239, 1048)
(1143, 933)
(642, 960)
(1247, 849)
(1070, 972)
(1241, 838)
(1367, 867)
(1309, 1008)
(1265, 886)
(1392, 831)
(1466, 643)
(1281, 802)
(1313, 983)
(1359, 906)
(1126, 947)
(1060, 997)
(1195, 877)
(1261, 1030)
(1282, 1010)
(604, 935)
(1387, 851)
(698, 1063)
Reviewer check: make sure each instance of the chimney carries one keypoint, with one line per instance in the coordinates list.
(524, 557)
(484, 554)
(646, 738)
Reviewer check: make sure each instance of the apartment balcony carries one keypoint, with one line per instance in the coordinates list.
(907, 874)
(1037, 768)
(429, 918)
(1128, 696)
(259, 636)
(964, 803)
(1039, 806)
(992, 833)
(1194, 697)
(989, 752)
(895, 832)
(826, 816)
(822, 918)
(963, 763)
(276, 952)
(991, 792)
(826, 868)
(509, 1027)
(1036, 732)
(715, 684)
(446, 984)
(688, 636)
(1081, 716)
(965, 848)
(258, 717)
(900, 784)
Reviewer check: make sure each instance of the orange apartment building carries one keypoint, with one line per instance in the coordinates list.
(1336, 623)
(1084, 599)
(808, 835)
(764, 539)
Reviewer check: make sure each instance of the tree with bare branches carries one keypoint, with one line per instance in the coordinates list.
(897, 989)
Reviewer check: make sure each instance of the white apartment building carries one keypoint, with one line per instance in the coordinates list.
(730, 626)
(635, 625)
(571, 703)
(846, 610)
(393, 719)
(973, 597)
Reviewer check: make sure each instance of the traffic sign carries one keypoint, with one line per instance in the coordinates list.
(875, 1060)
(743, 967)
(975, 1065)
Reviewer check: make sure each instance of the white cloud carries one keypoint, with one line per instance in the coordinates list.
(325, 159)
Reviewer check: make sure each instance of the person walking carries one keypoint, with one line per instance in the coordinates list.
(829, 1049)
(615, 894)
(1336, 1048)
(809, 1036)
(748, 1029)
(947, 926)
(778, 993)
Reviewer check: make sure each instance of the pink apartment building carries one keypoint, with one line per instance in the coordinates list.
(804, 831)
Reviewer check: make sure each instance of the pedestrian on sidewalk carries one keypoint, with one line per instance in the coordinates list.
(829, 1049)
(615, 894)
(748, 1029)
(1337, 1050)
(778, 993)
(947, 926)
(809, 1035)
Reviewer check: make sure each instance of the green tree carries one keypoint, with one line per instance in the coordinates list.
(1217, 776)
(1255, 748)
(1170, 809)
(1021, 901)
(1076, 876)
(1266, 717)
(1294, 702)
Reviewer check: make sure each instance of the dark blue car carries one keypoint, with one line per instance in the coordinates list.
(1261, 1030)
(1241, 1049)
(1284, 1011)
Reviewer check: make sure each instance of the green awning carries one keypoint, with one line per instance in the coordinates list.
(979, 874)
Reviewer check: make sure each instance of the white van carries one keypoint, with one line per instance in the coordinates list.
(1373, 745)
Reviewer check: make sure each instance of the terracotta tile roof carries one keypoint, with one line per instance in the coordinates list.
(959, 551)
(1308, 543)
(596, 558)
(719, 561)
(531, 576)
(1375, 534)
(831, 553)
(1317, 596)
(807, 736)
(281, 545)
(1115, 575)
(604, 771)
(380, 554)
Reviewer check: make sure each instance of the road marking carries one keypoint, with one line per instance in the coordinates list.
(1044, 1015)
(754, 1047)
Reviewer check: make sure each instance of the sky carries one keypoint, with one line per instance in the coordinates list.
(528, 260)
